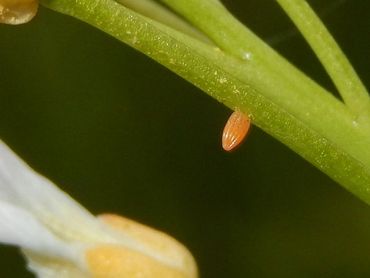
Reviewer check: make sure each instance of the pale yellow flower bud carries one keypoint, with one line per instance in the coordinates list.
(17, 11)
(61, 239)
(161, 257)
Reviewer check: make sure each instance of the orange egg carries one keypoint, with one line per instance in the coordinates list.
(235, 130)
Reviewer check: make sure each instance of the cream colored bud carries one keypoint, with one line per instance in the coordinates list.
(17, 11)
(161, 256)
(61, 239)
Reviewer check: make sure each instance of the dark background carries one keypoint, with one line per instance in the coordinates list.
(120, 133)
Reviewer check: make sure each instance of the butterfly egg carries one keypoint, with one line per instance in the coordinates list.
(17, 11)
(235, 130)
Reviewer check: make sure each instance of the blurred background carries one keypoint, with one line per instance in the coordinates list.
(120, 133)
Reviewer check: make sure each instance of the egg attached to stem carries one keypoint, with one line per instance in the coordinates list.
(235, 130)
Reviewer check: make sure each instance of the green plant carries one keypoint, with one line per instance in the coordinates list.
(226, 60)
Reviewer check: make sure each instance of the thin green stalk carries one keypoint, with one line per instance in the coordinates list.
(329, 53)
(314, 124)
(161, 14)
(233, 37)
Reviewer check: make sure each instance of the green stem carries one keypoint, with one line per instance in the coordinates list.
(297, 92)
(233, 37)
(329, 53)
(313, 123)
(161, 14)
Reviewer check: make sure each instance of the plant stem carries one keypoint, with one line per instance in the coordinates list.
(329, 53)
(313, 123)
(233, 37)
(161, 14)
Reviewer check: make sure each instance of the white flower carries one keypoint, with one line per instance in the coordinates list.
(17, 11)
(62, 239)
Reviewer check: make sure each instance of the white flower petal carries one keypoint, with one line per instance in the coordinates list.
(45, 268)
(18, 227)
(23, 187)
(62, 239)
